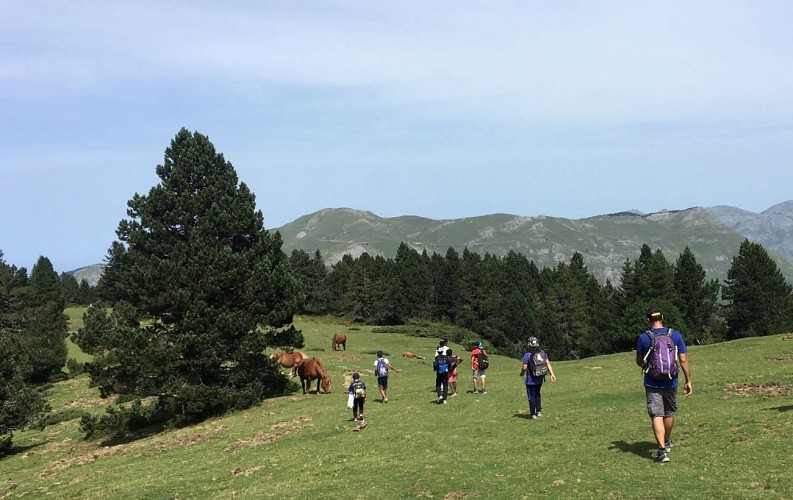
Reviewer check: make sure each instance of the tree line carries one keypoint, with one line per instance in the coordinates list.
(195, 290)
(505, 300)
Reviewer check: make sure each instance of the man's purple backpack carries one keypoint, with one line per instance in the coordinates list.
(660, 362)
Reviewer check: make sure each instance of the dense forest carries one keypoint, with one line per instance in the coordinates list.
(505, 300)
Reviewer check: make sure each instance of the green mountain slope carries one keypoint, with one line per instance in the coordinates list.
(605, 241)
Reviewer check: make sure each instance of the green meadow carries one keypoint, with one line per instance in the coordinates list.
(732, 436)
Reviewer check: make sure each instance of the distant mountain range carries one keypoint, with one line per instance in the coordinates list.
(605, 241)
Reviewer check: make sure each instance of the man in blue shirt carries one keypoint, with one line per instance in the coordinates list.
(662, 394)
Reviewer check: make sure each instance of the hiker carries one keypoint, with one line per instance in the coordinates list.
(442, 365)
(479, 364)
(442, 347)
(535, 366)
(456, 360)
(381, 367)
(658, 351)
(358, 391)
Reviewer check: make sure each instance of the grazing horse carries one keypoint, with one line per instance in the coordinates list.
(339, 339)
(289, 359)
(311, 369)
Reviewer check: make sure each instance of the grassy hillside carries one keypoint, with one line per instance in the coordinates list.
(605, 241)
(732, 438)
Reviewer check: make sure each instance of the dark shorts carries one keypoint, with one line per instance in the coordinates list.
(382, 382)
(661, 402)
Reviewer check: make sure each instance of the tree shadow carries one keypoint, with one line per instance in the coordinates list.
(16, 449)
(639, 448)
(781, 409)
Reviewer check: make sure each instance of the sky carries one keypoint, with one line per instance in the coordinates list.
(441, 109)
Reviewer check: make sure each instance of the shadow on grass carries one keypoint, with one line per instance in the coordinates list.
(521, 414)
(639, 448)
(16, 450)
(782, 409)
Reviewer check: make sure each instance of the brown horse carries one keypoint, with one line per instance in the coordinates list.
(311, 369)
(289, 359)
(339, 339)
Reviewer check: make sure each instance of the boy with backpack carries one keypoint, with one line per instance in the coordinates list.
(536, 366)
(479, 365)
(358, 392)
(381, 367)
(658, 352)
(442, 364)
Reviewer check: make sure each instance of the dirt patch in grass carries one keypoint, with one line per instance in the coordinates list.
(93, 454)
(282, 429)
(86, 403)
(769, 389)
(247, 472)
(349, 357)
(593, 367)
(785, 357)
(456, 495)
(787, 337)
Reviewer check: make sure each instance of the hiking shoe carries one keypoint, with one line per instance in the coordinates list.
(539, 414)
(533, 417)
(385, 400)
(668, 445)
(661, 456)
(444, 401)
(484, 391)
(440, 401)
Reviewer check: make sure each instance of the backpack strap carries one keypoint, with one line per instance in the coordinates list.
(650, 335)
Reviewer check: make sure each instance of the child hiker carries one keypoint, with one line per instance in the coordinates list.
(358, 391)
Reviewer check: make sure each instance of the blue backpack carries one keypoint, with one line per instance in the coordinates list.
(660, 362)
(443, 363)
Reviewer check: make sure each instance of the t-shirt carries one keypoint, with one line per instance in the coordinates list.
(441, 350)
(475, 358)
(531, 379)
(643, 344)
(385, 360)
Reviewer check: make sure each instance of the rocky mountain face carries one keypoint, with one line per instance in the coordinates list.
(605, 241)
(772, 228)
(89, 273)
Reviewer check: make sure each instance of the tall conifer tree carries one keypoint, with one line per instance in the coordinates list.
(758, 298)
(196, 262)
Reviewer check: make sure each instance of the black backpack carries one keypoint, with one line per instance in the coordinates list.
(538, 363)
(481, 359)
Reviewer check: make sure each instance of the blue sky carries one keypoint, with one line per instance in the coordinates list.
(438, 109)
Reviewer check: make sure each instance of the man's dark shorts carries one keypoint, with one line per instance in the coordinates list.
(661, 402)
(382, 382)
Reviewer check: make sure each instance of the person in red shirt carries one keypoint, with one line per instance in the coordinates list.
(478, 373)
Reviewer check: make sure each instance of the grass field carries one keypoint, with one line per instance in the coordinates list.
(732, 436)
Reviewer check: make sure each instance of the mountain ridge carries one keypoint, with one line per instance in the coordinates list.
(605, 241)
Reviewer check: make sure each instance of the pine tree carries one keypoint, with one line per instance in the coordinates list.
(758, 298)
(195, 261)
(46, 326)
(696, 298)
(71, 289)
(311, 274)
(20, 403)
